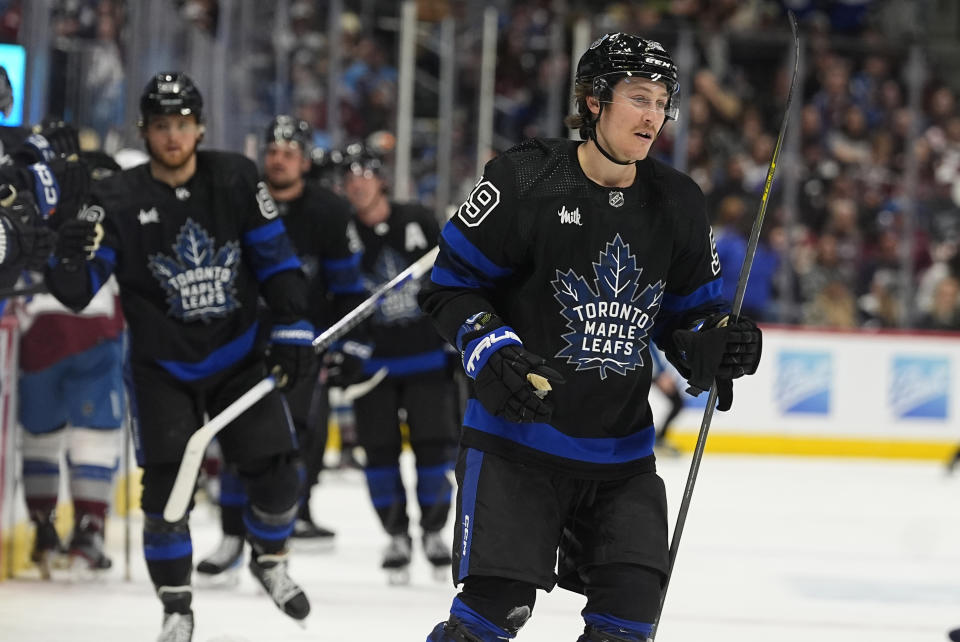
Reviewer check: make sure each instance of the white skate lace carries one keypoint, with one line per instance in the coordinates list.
(177, 627)
(227, 552)
(282, 587)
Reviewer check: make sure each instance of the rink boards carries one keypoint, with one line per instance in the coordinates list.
(863, 394)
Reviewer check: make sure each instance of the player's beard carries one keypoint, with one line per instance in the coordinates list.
(173, 165)
(281, 184)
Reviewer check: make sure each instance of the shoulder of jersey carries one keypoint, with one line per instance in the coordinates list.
(539, 167)
(409, 212)
(227, 163)
(123, 186)
(328, 202)
(674, 182)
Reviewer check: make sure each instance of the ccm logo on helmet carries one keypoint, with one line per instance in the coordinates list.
(655, 61)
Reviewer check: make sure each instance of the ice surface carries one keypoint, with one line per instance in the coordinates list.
(774, 550)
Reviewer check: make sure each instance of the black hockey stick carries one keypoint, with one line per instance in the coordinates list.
(735, 312)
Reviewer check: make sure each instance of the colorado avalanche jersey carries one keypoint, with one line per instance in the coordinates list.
(586, 275)
(405, 341)
(189, 261)
(321, 227)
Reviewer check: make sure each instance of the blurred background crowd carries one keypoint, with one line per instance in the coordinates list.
(864, 222)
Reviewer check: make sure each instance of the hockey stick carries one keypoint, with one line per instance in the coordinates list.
(182, 491)
(36, 288)
(735, 312)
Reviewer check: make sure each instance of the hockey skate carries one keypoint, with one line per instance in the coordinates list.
(47, 548)
(271, 571)
(437, 551)
(177, 616)
(308, 536)
(87, 558)
(396, 560)
(221, 569)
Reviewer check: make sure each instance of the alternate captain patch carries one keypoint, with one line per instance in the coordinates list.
(609, 323)
(198, 278)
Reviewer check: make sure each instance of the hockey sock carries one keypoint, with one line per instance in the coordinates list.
(233, 497)
(268, 532)
(389, 497)
(433, 494)
(41, 471)
(506, 603)
(602, 627)
(477, 625)
(168, 550)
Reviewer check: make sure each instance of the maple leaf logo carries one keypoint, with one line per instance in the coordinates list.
(609, 321)
(399, 305)
(199, 278)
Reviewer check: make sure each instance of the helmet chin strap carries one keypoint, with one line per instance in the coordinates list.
(606, 154)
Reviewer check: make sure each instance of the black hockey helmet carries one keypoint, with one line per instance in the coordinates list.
(359, 159)
(614, 56)
(170, 92)
(285, 128)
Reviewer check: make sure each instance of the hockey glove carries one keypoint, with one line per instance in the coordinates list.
(290, 356)
(717, 349)
(77, 240)
(25, 240)
(344, 363)
(510, 381)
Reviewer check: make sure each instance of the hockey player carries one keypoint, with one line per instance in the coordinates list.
(71, 401)
(418, 381)
(564, 262)
(320, 226)
(193, 242)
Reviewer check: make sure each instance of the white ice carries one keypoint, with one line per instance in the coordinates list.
(774, 550)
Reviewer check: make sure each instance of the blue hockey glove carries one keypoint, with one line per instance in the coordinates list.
(510, 381)
(290, 356)
(715, 349)
(345, 362)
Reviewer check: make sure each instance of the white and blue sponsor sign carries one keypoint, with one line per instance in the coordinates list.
(804, 381)
(919, 387)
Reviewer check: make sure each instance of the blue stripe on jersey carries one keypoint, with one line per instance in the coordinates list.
(606, 623)
(343, 275)
(468, 508)
(221, 358)
(448, 278)
(547, 439)
(709, 292)
(352, 261)
(460, 262)
(412, 364)
(270, 250)
(264, 232)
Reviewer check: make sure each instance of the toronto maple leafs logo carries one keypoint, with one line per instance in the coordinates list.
(399, 305)
(608, 323)
(198, 278)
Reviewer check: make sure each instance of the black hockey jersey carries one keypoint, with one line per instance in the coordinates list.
(586, 275)
(321, 227)
(405, 340)
(190, 261)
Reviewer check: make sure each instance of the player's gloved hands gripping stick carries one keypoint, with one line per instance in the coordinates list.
(510, 381)
(290, 355)
(345, 362)
(715, 348)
